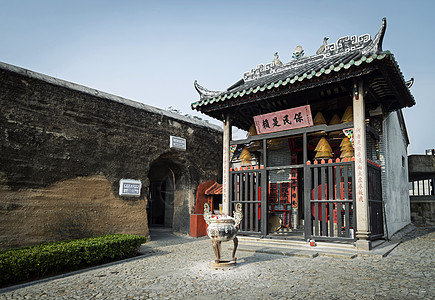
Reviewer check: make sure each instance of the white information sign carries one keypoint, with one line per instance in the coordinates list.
(177, 143)
(129, 187)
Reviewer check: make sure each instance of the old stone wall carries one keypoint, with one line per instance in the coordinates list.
(64, 148)
(422, 189)
(421, 167)
(423, 212)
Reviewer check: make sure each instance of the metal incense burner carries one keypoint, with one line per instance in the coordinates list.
(222, 229)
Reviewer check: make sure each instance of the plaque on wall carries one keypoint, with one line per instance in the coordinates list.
(178, 143)
(129, 187)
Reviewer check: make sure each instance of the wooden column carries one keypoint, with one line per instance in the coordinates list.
(361, 184)
(226, 210)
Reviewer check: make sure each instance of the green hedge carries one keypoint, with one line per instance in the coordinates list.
(32, 262)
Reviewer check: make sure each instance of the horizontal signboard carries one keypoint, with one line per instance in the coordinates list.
(284, 120)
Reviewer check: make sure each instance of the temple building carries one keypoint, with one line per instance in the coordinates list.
(326, 155)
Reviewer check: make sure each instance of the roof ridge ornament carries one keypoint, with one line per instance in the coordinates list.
(299, 52)
(347, 44)
(344, 45)
(409, 82)
(322, 48)
(276, 61)
(203, 92)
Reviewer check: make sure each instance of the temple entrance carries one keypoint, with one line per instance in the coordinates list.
(288, 192)
(170, 192)
(160, 208)
(285, 198)
(271, 189)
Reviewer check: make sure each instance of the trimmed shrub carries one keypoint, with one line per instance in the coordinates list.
(36, 261)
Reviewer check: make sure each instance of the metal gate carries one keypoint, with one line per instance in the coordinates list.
(329, 201)
(245, 187)
(330, 211)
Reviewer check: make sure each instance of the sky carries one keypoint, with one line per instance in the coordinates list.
(153, 51)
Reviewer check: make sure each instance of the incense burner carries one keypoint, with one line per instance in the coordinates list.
(222, 229)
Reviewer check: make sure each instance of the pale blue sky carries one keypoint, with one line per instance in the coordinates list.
(152, 51)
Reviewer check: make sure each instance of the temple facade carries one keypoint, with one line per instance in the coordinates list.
(326, 154)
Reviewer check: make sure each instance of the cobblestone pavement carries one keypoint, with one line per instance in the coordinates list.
(177, 267)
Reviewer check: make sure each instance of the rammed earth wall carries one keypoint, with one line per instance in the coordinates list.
(64, 148)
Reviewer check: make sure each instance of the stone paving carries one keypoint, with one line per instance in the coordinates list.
(177, 267)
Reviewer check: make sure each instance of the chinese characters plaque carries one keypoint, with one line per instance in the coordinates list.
(284, 120)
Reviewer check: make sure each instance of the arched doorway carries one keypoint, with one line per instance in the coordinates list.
(171, 195)
(160, 207)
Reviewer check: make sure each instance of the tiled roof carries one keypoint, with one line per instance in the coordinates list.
(305, 70)
(215, 189)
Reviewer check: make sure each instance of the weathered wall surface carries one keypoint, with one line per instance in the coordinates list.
(64, 210)
(421, 166)
(422, 176)
(423, 212)
(395, 192)
(65, 147)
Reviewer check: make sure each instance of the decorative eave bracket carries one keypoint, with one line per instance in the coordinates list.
(203, 92)
(375, 45)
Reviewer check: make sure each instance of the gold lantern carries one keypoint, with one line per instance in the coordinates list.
(323, 149)
(346, 148)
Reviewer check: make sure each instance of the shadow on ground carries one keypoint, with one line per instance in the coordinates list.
(411, 232)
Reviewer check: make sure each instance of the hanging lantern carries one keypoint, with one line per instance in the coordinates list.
(252, 131)
(319, 119)
(254, 145)
(334, 121)
(348, 115)
(245, 157)
(346, 148)
(323, 149)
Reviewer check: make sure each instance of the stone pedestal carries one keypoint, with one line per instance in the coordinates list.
(365, 245)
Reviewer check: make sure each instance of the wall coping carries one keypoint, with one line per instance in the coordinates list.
(100, 94)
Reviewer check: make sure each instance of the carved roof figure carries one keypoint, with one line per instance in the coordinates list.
(322, 48)
(276, 61)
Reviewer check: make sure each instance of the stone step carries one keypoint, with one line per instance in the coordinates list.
(381, 248)
(278, 251)
(292, 243)
(296, 252)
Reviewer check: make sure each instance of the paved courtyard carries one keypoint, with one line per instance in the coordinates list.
(177, 267)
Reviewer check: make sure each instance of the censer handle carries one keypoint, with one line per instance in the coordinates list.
(207, 213)
(238, 214)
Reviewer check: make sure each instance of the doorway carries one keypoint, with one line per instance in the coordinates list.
(286, 195)
(160, 209)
